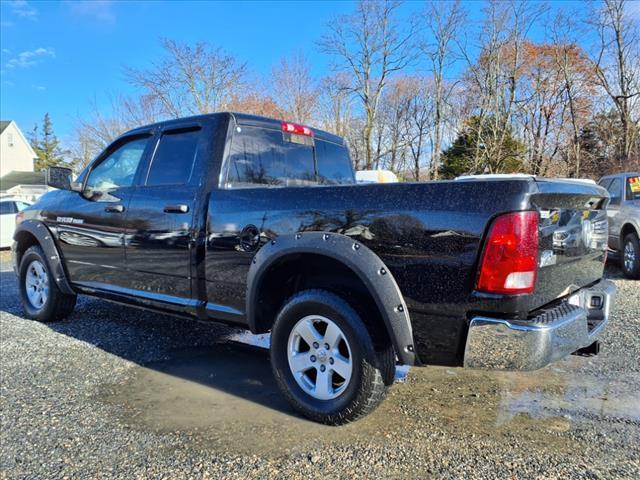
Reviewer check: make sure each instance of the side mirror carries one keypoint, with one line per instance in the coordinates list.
(59, 177)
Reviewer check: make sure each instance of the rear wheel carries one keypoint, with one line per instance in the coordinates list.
(324, 360)
(631, 256)
(41, 298)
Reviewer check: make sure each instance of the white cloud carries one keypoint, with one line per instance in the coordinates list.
(22, 8)
(30, 58)
(40, 88)
(99, 10)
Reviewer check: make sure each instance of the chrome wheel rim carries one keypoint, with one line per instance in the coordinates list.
(629, 256)
(320, 357)
(36, 284)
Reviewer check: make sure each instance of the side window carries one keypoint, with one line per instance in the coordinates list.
(633, 188)
(7, 208)
(615, 191)
(262, 157)
(174, 158)
(21, 206)
(117, 170)
(604, 182)
(334, 164)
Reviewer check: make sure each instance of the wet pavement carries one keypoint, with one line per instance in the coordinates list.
(153, 396)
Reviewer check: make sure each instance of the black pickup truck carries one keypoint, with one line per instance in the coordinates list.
(259, 224)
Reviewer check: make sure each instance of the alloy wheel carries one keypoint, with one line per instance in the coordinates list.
(629, 256)
(37, 284)
(320, 357)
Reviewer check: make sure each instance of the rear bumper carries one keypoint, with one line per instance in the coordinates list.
(494, 343)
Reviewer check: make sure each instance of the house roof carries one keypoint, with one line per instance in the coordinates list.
(14, 178)
(5, 123)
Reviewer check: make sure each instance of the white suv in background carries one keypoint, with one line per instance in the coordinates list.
(9, 206)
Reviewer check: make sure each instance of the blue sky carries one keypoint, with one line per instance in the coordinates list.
(59, 56)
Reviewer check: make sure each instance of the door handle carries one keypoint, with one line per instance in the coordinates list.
(181, 208)
(114, 208)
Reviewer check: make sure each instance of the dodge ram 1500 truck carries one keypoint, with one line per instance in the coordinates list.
(259, 224)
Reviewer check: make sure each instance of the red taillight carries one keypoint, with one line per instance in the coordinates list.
(297, 129)
(510, 260)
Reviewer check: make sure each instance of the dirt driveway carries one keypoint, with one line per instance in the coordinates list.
(115, 392)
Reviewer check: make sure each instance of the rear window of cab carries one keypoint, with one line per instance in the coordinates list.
(261, 157)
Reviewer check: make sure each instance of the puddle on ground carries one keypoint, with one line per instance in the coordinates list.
(225, 396)
(570, 396)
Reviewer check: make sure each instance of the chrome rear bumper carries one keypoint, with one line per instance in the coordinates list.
(494, 343)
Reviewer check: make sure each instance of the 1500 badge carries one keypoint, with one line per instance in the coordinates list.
(77, 221)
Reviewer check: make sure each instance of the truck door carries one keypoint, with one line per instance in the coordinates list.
(90, 225)
(158, 224)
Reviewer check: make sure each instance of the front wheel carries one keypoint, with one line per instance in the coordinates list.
(41, 298)
(324, 361)
(631, 256)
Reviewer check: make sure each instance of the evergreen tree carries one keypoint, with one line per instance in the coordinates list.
(47, 147)
(468, 156)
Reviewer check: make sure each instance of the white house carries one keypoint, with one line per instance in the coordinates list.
(16, 155)
(17, 177)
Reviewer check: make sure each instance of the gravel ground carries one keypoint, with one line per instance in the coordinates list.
(119, 393)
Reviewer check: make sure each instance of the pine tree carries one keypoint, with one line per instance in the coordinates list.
(47, 147)
(462, 158)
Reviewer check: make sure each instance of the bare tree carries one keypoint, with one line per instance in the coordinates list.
(493, 78)
(294, 89)
(444, 20)
(617, 65)
(190, 80)
(336, 104)
(577, 81)
(371, 45)
(96, 131)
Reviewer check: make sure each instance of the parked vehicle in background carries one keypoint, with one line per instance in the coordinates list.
(376, 176)
(260, 224)
(623, 212)
(9, 207)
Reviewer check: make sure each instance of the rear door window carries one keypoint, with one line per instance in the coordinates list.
(261, 157)
(173, 160)
(334, 164)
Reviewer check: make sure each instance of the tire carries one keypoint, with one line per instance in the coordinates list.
(34, 279)
(630, 256)
(322, 315)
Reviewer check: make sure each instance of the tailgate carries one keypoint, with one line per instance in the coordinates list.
(572, 237)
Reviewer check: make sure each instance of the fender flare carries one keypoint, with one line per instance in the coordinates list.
(361, 260)
(45, 238)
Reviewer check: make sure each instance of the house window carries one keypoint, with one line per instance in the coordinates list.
(10, 139)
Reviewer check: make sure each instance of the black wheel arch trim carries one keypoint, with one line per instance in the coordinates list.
(361, 260)
(45, 238)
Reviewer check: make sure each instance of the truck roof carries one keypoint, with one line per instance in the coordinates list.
(239, 119)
